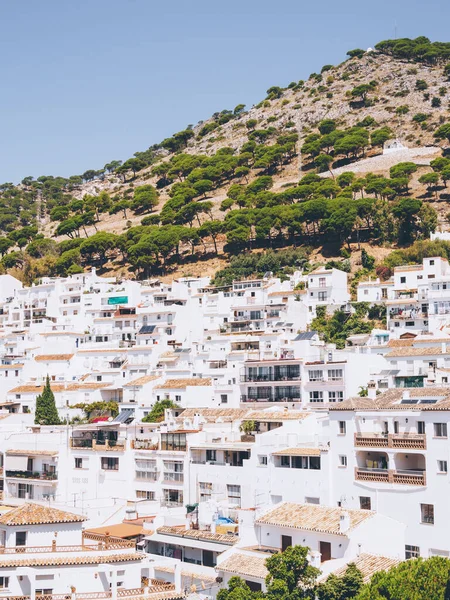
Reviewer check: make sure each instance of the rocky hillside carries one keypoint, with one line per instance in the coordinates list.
(232, 182)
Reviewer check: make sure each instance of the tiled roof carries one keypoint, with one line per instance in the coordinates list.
(198, 534)
(276, 415)
(406, 351)
(391, 400)
(71, 559)
(284, 293)
(183, 383)
(141, 380)
(32, 452)
(119, 530)
(51, 357)
(299, 452)
(210, 415)
(59, 387)
(248, 565)
(15, 366)
(187, 574)
(35, 514)
(369, 564)
(102, 351)
(312, 517)
(401, 343)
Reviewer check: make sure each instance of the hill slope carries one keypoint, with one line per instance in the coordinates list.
(233, 179)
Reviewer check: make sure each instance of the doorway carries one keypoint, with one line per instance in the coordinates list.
(325, 551)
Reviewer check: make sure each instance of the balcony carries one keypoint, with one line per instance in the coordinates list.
(98, 445)
(402, 441)
(248, 378)
(288, 398)
(39, 475)
(140, 444)
(401, 476)
(172, 477)
(157, 589)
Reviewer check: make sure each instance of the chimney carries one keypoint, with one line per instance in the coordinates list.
(372, 389)
(315, 559)
(344, 522)
(406, 395)
(443, 348)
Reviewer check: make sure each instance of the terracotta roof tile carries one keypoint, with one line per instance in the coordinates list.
(52, 357)
(198, 534)
(369, 564)
(32, 452)
(70, 559)
(299, 452)
(391, 400)
(311, 517)
(71, 386)
(141, 380)
(406, 351)
(248, 565)
(183, 383)
(35, 514)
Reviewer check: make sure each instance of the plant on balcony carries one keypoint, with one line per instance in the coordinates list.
(247, 427)
(46, 411)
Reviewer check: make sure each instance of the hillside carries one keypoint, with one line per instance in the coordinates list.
(231, 183)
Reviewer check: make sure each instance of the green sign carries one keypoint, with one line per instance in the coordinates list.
(118, 300)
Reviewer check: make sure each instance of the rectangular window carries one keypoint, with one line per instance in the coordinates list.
(335, 396)
(316, 396)
(322, 296)
(205, 488)
(342, 460)
(285, 461)
(396, 427)
(311, 500)
(145, 495)
(440, 430)
(322, 282)
(299, 462)
(316, 375)
(234, 495)
(421, 427)
(262, 460)
(412, 552)
(402, 279)
(211, 455)
(342, 427)
(335, 374)
(4, 583)
(21, 538)
(78, 463)
(110, 463)
(224, 398)
(314, 463)
(427, 513)
(442, 466)
(365, 503)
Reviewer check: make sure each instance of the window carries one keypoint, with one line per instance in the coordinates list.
(427, 513)
(442, 466)
(262, 460)
(322, 296)
(314, 463)
(78, 463)
(342, 427)
(299, 462)
(173, 441)
(145, 495)
(431, 262)
(44, 592)
(211, 456)
(402, 279)
(412, 552)
(21, 538)
(205, 490)
(322, 282)
(234, 495)
(4, 583)
(365, 503)
(99, 377)
(342, 460)
(311, 500)
(316, 375)
(335, 396)
(224, 398)
(440, 430)
(396, 427)
(366, 292)
(177, 398)
(335, 374)
(421, 427)
(285, 461)
(110, 463)
(316, 396)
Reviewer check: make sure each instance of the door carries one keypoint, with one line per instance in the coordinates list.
(286, 542)
(325, 551)
(29, 464)
(208, 558)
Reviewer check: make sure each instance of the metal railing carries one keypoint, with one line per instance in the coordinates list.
(42, 475)
(92, 444)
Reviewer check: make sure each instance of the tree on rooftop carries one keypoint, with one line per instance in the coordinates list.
(46, 412)
(156, 415)
(290, 577)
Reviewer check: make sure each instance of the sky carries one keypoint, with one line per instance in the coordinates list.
(85, 82)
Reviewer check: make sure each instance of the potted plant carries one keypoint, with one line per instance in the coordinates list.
(248, 429)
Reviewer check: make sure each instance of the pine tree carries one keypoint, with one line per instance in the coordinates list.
(46, 411)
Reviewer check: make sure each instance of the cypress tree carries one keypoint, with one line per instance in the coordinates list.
(46, 411)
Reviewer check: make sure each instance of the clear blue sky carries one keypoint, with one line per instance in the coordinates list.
(88, 81)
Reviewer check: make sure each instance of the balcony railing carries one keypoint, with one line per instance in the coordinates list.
(406, 441)
(42, 475)
(401, 476)
(170, 477)
(99, 445)
(138, 444)
(271, 377)
(289, 398)
(156, 587)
